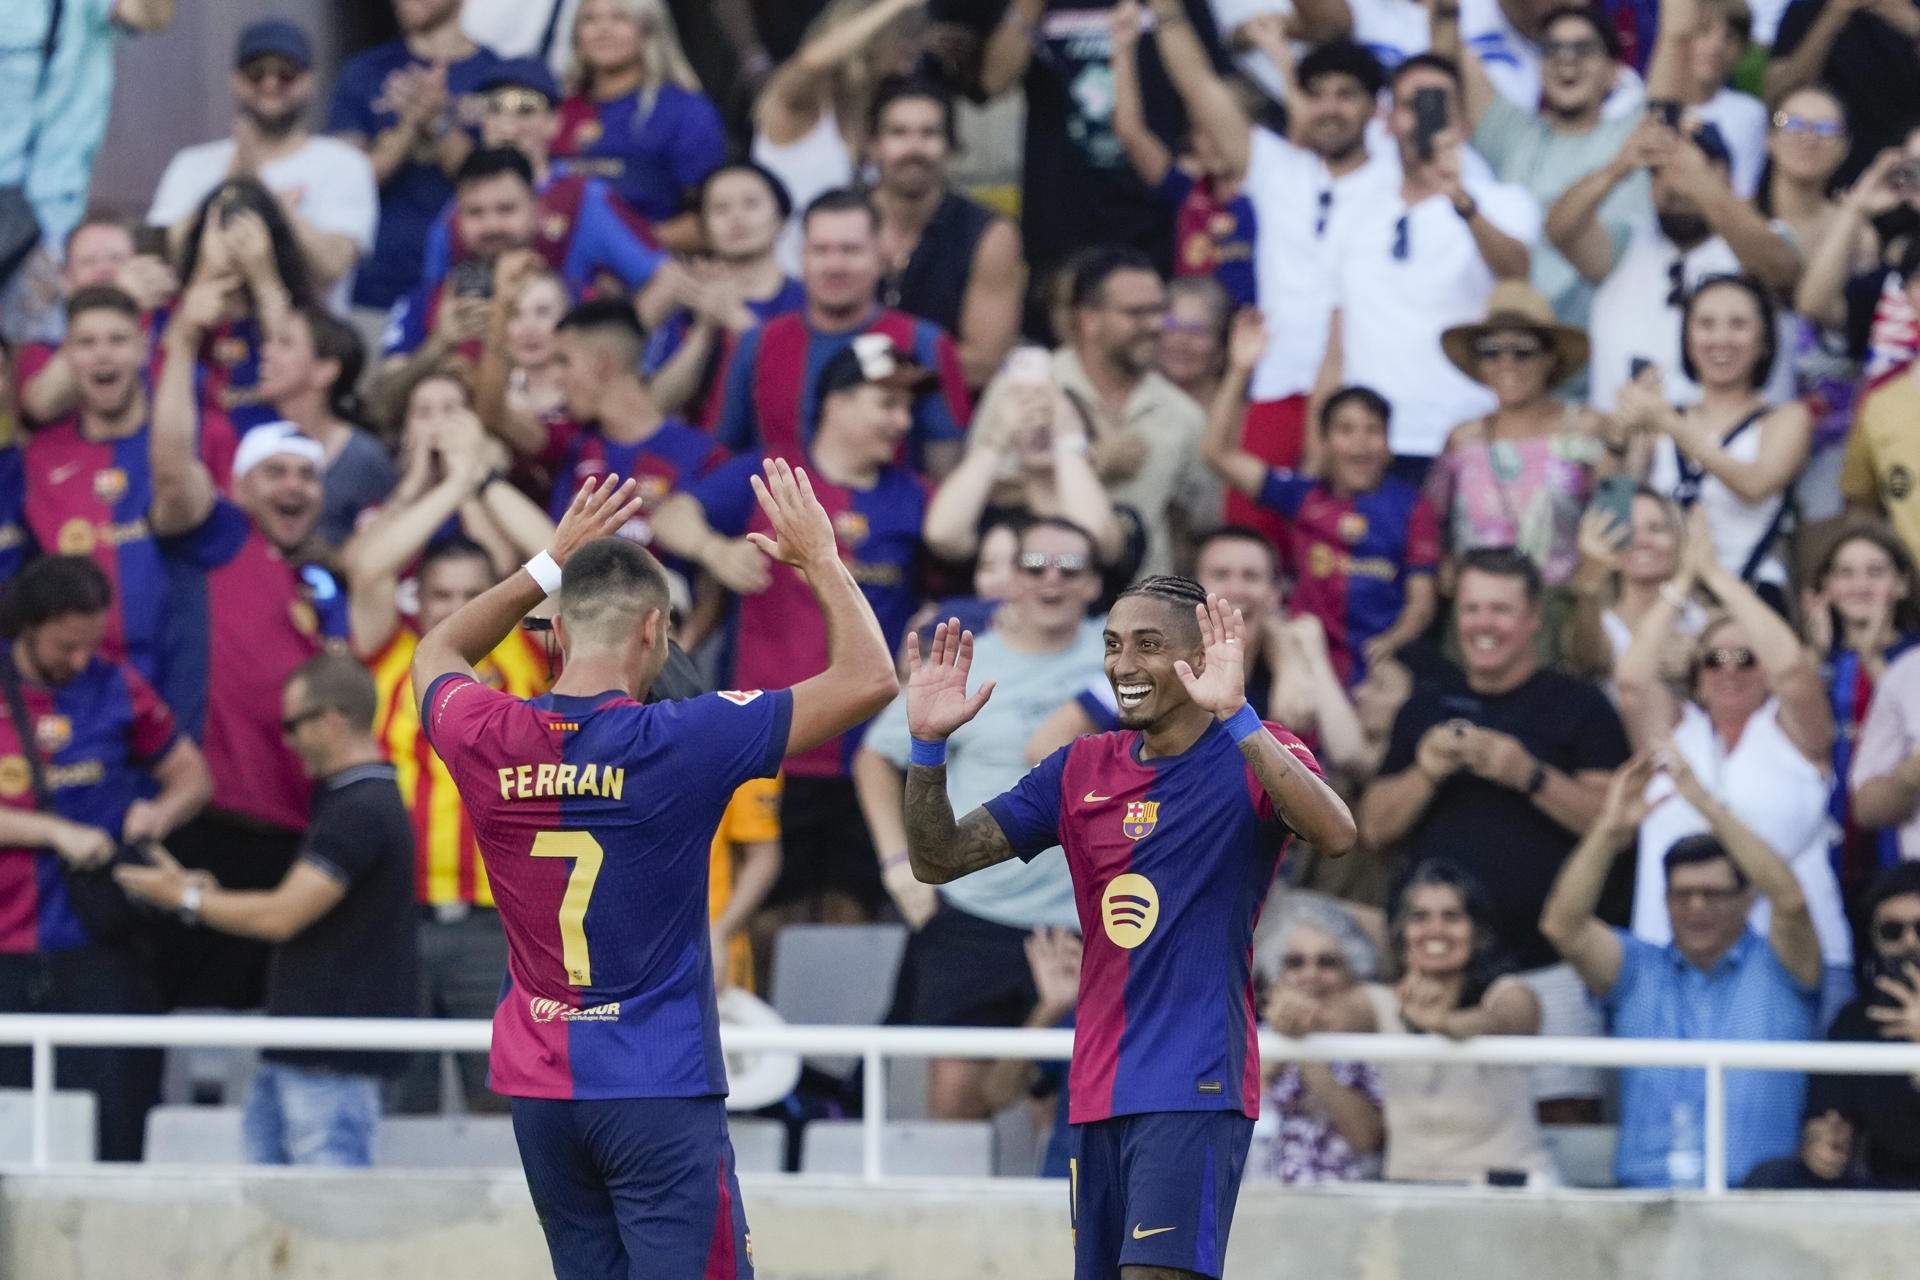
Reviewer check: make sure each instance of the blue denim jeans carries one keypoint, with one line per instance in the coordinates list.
(299, 1116)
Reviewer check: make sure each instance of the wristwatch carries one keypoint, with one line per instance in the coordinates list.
(1466, 214)
(190, 899)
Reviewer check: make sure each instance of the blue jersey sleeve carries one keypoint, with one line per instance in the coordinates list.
(329, 601)
(437, 260)
(725, 494)
(1283, 491)
(213, 541)
(664, 342)
(352, 108)
(699, 144)
(932, 413)
(737, 428)
(406, 327)
(602, 240)
(1029, 813)
(729, 737)
(1174, 188)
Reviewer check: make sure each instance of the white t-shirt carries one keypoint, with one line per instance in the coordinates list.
(1776, 791)
(1742, 120)
(1393, 310)
(334, 181)
(810, 166)
(1299, 209)
(1737, 526)
(1392, 30)
(513, 28)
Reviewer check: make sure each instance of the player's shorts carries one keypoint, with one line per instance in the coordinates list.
(962, 970)
(1156, 1190)
(635, 1188)
(824, 845)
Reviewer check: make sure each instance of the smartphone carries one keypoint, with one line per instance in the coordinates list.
(1666, 111)
(1905, 177)
(150, 241)
(1614, 495)
(1429, 118)
(472, 278)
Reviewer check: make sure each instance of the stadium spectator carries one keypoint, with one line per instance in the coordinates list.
(1193, 342)
(13, 481)
(772, 392)
(1143, 431)
(946, 258)
(96, 772)
(339, 923)
(1504, 745)
(1828, 1159)
(742, 208)
(1757, 728)
(637, 118)
(1053, 957)
(829, 871)
(310, 366)
(1884, 1108)
(1866, 53)
(1452, 1123)
(250, 606)
(1623, 569)
(408, 104)
(1853, 278)
(1419, 259)
(744, 866)
(808, 121)
(1857, 617)
(101, 250)
(966, 962)
(324, 187)
(1520, 476)
(1885, 777)
(1718, 977)
(517, 390)
(1713, 49)
(1512, 41)
(581, 228)
(1879, 463)
(1363, 544)
(1691, 228)
(1734, 455)
(1326, 1116)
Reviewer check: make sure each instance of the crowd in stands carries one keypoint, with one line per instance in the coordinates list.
(1537, 379)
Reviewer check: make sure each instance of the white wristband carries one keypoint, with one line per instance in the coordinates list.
(544, 571)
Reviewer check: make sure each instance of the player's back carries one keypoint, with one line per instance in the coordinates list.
(595, 816)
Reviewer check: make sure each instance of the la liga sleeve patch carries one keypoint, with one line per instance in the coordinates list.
(741, 697)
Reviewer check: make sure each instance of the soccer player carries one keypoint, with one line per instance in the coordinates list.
(594, 815)
(1173, 828)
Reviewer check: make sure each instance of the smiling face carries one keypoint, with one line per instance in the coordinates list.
(1652, 553)
(1357, 449)
(1145, 636)
(495, 214)
(273, 92)
(1241, 571)
(105, 350)
(607, 37)
(1334, 114)
(1438, 931)
(1313, 964)
(1730, 685)
(1724, 337)
(282, 494)
(1054, 579)
(532, 322)
(1516, 364)
(1864, 583)
(1708, 907)
(1496, 625)
(1575, 71)
(1808, 139)
(740, 216)
(1123, 322)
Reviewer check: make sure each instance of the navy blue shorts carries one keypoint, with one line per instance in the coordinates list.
(635, 1187)
(1156, 1190)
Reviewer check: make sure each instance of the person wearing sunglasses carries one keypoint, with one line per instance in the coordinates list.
(1755, 727)
(325, 186)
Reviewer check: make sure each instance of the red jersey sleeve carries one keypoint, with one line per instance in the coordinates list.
(150, 732)
(953, 380)
(1423, 537)
(458, 710)
(1262, 802)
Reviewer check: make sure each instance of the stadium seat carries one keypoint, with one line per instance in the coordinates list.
(71, 1140)
(200, 1075)
(759, 1146)
(445, 1142)
(926, 1148)
(1584, 1152)
(1017, 1145)
(836, 975)
(194, 1135)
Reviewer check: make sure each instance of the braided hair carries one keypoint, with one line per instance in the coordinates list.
(1182, 593)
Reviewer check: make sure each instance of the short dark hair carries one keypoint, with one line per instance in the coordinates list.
(102, 297)
(1900, 880)
(1366, 397)
(1181, 595)
(923, 88)
(1488, 960)
(1609, 38)
(840, 200)
(1691, 851)
(1238, 533)
(491, 162)
(1433, 62)
(455, 546)
(1769, 331)
(336, 340)
(1102, 264)
(606, 575)
(1505, 562)
(782, 198)
(96, 218)
(336, 682)
(1342, 58)
(53, 587)
(1029, 524)
(612, 319)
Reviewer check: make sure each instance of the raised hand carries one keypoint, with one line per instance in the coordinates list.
(937, 701)
(1248, 343)
(1053, 956)
(1221, 683)
(803, 536)
(1626, 805)
(1123, 28)
(602, 506)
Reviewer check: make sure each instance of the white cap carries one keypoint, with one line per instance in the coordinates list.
(270, 439)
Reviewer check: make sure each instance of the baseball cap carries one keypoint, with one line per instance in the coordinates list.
(523, 73)
(270, 440)
(872, 358)
(275, 36)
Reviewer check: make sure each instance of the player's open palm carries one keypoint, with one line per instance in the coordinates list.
(802, 534)
(602, 506)
(1221, 683)
(937, 701)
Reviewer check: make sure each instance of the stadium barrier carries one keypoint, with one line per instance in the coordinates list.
(43, 1033)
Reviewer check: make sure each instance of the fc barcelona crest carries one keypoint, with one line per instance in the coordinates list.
(1137, 822)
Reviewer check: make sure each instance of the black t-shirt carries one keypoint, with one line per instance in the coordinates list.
(1790, 1173)
(1887, 1108)
(1873, 69)
(358, 960)
(1500, 835)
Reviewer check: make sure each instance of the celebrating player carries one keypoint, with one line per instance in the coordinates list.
(1173, 827)
(594, 815)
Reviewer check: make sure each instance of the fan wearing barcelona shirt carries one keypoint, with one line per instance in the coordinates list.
(1173, 829)
(595, 815)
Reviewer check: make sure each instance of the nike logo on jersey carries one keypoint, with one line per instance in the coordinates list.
(1094, 798)
(1140, 1233)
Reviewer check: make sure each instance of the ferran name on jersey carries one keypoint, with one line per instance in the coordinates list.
(541, 781)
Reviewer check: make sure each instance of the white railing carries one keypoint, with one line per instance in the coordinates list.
(42, 1033)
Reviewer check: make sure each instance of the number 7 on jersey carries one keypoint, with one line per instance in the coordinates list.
(587, 856)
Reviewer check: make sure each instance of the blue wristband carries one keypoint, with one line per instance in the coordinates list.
(930, 754)
(1244, 723)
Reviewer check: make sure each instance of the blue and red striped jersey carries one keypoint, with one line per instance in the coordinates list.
(595, 816)
(581, 228)
(95, 734)
(667, 461)
(1171, 858)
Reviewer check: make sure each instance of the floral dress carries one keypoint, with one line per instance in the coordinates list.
(1306, 1148)
(1526, 494)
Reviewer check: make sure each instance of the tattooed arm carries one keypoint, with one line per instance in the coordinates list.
(940, 848)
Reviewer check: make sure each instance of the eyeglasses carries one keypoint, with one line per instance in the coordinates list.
(1400, 241)
(1173, 324)
(516, 102)
(1034, 564)
(1893, 931)
(265, 69)
(288, 725)
(1705, 897)
(1574, 49)
(1328, 962)
(1825, 130)
(1729, 659)
(1494, 349)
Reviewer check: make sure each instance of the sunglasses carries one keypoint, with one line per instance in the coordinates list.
(1034, 564)
(1494, 349)
(1327, 962)
(1736, 659)
(1822, 129)
(1893, 931)
(516, 102)
(263, 71)
(1574, 49)
(293, 722)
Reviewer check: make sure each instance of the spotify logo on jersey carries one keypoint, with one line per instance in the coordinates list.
(1129, 908)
